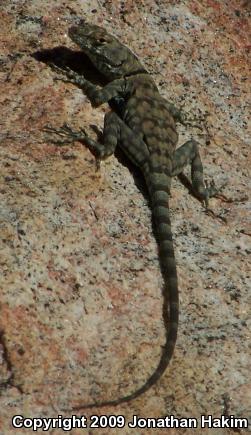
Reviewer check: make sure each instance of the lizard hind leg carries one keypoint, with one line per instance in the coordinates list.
(188, 153)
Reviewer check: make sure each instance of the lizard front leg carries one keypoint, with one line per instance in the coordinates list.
(180, 116)
(103, 150)
(188, 153)
(97, 96)
(115, 131)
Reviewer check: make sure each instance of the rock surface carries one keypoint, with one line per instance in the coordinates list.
(80, 304)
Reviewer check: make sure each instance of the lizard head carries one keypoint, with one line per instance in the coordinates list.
(107, 54)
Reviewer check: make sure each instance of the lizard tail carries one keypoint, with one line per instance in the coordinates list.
(159, 194)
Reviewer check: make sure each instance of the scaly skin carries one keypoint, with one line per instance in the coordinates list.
(146, 132)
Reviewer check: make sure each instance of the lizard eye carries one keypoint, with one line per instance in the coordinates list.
(102, 40)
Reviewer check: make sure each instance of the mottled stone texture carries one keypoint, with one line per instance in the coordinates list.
(80, 303)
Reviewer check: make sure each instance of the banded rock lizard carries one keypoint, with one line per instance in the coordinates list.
(145, 129)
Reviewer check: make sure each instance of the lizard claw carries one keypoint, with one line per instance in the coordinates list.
(212, 191)
(66, 74)
(98, 164)
(67, 134)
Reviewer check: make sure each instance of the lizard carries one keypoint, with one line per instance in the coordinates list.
(145, 129)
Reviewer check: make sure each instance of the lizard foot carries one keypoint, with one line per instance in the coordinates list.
(65, 74)
(212, 191)
(194, 122)
(67, 133)
(183, 118)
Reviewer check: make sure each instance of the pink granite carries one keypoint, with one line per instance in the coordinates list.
(80, 304)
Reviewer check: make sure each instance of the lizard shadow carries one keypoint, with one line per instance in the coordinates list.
(78, 62)
(64, 57)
